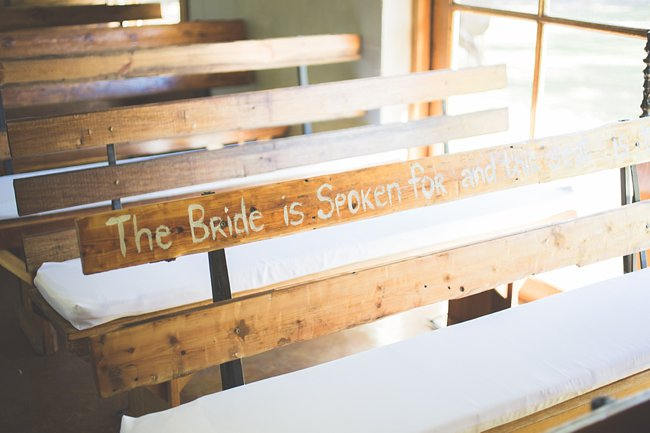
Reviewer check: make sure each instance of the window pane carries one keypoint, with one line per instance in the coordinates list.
(589, 79)
(629, 13)
(484, 40)
(529, 6)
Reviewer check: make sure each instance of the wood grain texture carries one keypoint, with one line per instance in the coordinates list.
(267, 211)
(57, 41)
(173, 346)
(246, 110)
(14, 18)
(14, 265)
(246, 55)
(57, 191)
(131, 150)
(42, 247)
(47, 94)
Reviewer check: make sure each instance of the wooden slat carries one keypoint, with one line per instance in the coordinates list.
(72, 93)
(173, 346)
(58, 41)
(42, 247)
(264, 212)
(131, 150)
(216, 57)
(16, 266)
(246, 110)
(14, 18)
(57, 191)
(52, 2)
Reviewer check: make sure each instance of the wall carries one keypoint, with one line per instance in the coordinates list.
(278, 18)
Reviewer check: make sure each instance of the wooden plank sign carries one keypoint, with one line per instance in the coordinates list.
(171, 229)
(145, 352)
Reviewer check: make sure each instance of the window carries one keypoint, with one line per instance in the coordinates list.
(571, 64)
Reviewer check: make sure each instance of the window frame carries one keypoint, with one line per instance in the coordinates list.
(441, 29)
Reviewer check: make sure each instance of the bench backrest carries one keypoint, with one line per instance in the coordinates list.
(253, 110)
(298, 310)
(47, 47)
(17, 17)
(178, 65)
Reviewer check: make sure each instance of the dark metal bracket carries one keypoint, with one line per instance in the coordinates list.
(631, 172)
(116, 203)
(232, 374)
(303, 80)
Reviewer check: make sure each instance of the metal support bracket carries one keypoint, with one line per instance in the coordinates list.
(116, 203)
(631, 172)
(7, 165)
(303, 80)
(232, 374)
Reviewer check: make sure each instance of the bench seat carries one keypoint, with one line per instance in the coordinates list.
(467, 377)
(89, 300)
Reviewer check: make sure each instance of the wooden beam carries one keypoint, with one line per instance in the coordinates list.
(14, 18)
(131, 150)
(441, 42)
(420, 49)
(546, 19)
(34, 96)
(61, 190)
(216, 57)
(262, 212)
(14, 265)
(57, 41)
(247, 110)
(160, 349)
(43, 247)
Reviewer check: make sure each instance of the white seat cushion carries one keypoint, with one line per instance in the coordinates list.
(86, 301)
(467, 377)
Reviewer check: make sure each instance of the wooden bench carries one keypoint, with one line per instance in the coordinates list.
(51, 238)
(142, 73)
(16, 17)
(177, 344)
(43, 94)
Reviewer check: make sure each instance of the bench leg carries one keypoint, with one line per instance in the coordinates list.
(480, 304)
(39, 331)
(174, 388)
(154, 398)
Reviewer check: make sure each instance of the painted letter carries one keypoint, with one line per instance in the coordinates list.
(322, 215)
(215, 226)
(339, 200)
(414, 179)
(251, 220)
(295, 212)
(197, 223)
(119, 220)
(161, 232)
(241, 217)
(354, 207)
(365, 199)
(379, 191)
(389, 188)
(138, 234)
